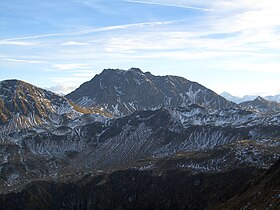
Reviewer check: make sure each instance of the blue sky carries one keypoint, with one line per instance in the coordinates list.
(226, 45)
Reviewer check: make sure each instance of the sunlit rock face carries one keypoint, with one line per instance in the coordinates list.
(24, 105)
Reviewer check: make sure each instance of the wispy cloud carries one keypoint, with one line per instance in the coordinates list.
(66, 84)
(34, 37)
(18, 43)
(166, 3)
(225, 36)
(73, 80)
(93, 30)
(21, 60)
(74, 43)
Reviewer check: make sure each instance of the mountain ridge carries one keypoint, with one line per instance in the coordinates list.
(183, 139)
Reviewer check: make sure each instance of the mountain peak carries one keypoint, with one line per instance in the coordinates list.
(122, 92)
(259, 98)
(13, 82)
(17, 88)
(121, 71)
(110, 71)
(136, 70)
(225, 94)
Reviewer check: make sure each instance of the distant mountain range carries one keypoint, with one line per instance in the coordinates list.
(262, 105)
(238, 100)
(126, 137)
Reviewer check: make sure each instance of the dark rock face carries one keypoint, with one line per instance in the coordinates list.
(123, 92)
(263, 192)
(134, 190)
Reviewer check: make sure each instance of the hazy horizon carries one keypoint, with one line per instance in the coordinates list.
(230, 46)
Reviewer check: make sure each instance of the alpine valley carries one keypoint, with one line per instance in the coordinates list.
(127, 139)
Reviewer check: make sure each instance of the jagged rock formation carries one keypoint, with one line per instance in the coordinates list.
(123, 92)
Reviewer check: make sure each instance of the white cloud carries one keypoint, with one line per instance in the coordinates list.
(18, 43)
(67, 84)
(93, 30)
(21, 60)
(61, 89)
(234, 35)
(74, 43)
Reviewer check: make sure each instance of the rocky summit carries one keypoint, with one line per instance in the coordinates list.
(122, 92)
(131, 140)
